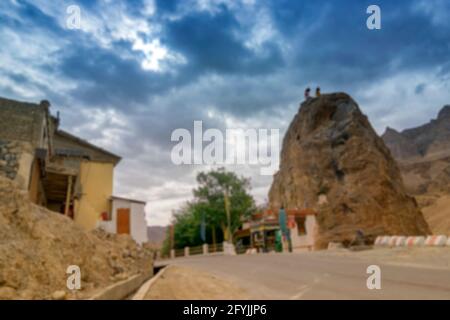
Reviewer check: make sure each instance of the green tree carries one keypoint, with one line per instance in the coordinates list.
(209, 205)
(211, 192)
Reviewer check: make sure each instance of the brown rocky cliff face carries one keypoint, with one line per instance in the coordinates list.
(423, 155)
(401, 147)
(331, 150)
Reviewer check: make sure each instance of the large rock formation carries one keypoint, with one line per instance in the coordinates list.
(423, 155)
(333, 161)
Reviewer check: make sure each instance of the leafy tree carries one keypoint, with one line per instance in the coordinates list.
(213, 186)
(208, 205)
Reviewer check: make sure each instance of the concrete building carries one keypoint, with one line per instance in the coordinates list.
(58, 170)
(80, 174)
(127, 216)
(303, 226)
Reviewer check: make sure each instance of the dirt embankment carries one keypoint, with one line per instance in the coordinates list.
(37, 246)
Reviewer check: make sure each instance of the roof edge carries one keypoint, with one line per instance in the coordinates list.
(88, 144)
(127, 199)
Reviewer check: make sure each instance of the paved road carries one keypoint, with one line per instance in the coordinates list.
(309, 276)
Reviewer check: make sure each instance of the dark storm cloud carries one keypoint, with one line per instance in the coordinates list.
(210, 44)
(290, 16)
(207, 43)
(350, 54)
(105, 78)
(337, 50)
(166, 6)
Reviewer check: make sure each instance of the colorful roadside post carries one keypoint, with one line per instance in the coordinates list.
(282, 220)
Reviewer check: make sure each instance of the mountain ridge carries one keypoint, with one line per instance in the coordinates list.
(428, 140)
(423, 156)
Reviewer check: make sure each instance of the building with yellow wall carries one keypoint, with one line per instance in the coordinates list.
(89, 172)
(96, 183)
(60, 171)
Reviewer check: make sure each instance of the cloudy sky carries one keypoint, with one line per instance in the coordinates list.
(138, 69)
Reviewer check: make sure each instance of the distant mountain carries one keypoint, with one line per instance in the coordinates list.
(429, 141)
(156, 235)
(401, 147)
(423, 155)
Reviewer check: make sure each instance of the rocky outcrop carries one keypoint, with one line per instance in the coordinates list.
(423, 155)
(331, 152)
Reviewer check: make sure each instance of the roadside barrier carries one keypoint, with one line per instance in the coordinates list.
(382, 241)
(400, 241)
(385, 241)
(415, 241)
(404, 241)
(392, 241)
(379, 241)
(436, 241)
(212, 249)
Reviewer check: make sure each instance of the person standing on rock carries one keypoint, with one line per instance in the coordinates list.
(307, 92)
(318, 92)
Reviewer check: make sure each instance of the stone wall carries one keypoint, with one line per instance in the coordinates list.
(9, 154)
(15, 161)
(21, 121)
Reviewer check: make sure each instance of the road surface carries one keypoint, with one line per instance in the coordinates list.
(311, 276)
